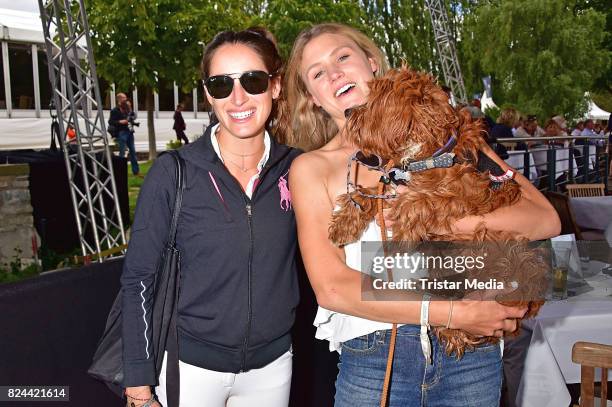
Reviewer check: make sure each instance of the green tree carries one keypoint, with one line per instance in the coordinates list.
(542, 56)
(403, 30)
(602, 89)
(139, 42)
(286, 18)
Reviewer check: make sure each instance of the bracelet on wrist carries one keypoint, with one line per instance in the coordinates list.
(137, 398)
(147, 402)
(424, 337)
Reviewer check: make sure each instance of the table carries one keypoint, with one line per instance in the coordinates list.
(548, 364)
(516, 160)
(540, 156)
(593, 212)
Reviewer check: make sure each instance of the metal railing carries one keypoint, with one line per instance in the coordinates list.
(552, 162)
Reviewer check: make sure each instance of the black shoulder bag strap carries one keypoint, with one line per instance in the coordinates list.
(172, 363)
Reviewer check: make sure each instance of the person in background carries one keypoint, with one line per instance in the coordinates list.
(517, 124)
(508, 118)
(598, 128)
(488, 121)
(552, 129)
(474, 109)
(589, 126)
(590, 131)
(530, 128)
(125, 136)
(71, 135)
(179, 124)
(578, 129)
(560, 120)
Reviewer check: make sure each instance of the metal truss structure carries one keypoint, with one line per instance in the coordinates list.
(76, 94)
(446, 49)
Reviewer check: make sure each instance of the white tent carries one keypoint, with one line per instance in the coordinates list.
(486, 102)
(597, 113)
(20, 26)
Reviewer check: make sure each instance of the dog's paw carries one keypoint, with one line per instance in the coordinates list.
(350, 220)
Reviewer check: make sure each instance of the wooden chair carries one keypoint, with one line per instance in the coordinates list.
(589, 356)
(568, 221)
(585, 190)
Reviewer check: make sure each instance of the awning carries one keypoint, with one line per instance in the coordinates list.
(597, 113)
(21, 26)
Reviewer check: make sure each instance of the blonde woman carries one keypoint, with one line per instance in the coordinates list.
(506, 123)
(328, 72)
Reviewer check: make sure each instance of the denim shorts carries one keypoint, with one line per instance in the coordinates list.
(473, 381)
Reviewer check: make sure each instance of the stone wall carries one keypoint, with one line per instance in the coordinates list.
(16, 221)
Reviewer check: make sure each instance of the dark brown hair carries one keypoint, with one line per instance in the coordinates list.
(263, 43)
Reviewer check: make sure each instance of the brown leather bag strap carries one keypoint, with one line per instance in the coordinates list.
(383, 233)
(385, 390)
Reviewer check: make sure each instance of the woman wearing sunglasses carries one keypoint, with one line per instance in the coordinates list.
(237, 239)
(328, 73)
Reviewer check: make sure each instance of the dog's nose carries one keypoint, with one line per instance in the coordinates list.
(348, 112)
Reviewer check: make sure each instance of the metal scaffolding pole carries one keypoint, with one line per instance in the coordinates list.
(445, 46)
(79, 105)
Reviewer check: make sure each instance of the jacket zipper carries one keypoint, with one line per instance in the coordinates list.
(249, 210)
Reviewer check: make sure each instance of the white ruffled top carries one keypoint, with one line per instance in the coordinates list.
(336, 327)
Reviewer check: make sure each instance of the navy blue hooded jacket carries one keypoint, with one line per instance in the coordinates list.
(238, 282)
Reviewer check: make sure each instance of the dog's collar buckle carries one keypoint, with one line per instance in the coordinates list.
(445, 160)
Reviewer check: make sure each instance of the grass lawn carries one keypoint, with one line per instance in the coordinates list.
(134, 184)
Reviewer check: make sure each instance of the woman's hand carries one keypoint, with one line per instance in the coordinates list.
(138, 396)
(486, 318)
(532, 216)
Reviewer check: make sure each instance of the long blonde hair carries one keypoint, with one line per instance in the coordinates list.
(508, 116)
(305, 125)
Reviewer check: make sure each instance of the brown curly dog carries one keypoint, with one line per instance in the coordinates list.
(407, 119)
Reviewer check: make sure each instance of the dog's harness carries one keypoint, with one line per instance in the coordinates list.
(442, 158)
(402, 175)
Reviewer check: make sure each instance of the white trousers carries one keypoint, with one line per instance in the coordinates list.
(268, 386)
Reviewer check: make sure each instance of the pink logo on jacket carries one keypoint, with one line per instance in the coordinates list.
(285, 194)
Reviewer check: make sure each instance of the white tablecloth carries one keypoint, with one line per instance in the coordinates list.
(593, 212)
(560, 324)
(540, 157)
(516, 160)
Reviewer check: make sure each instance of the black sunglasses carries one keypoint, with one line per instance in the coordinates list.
(221, 86)
(373, 161)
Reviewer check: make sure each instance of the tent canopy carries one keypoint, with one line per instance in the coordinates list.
(597, 113)
(486, 102)
(20, 26)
